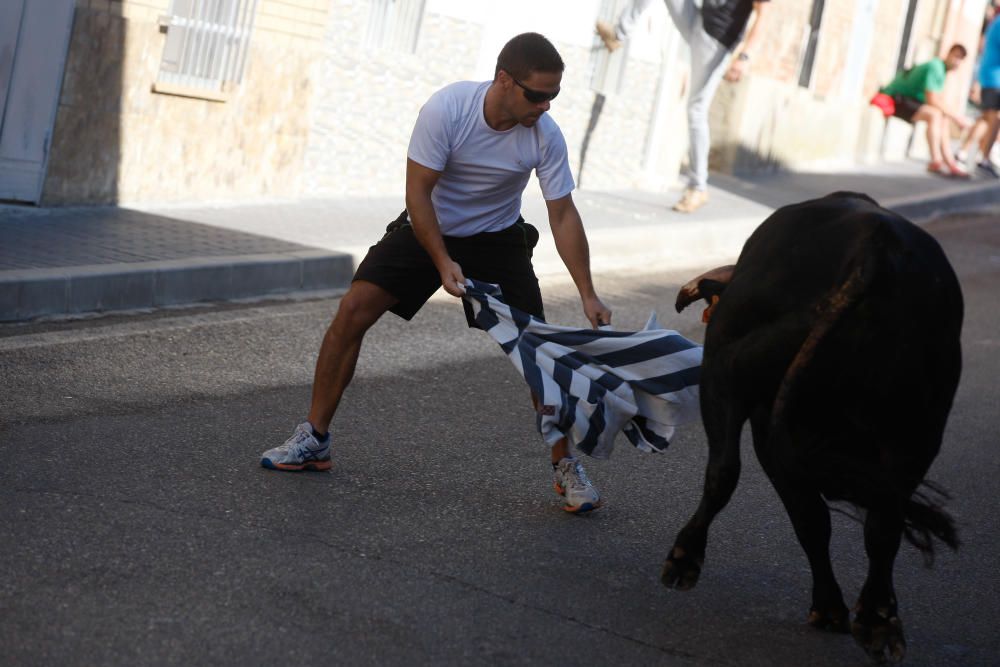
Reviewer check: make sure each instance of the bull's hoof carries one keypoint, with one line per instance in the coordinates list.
(681, 571)
(830, 620)
(880, 634)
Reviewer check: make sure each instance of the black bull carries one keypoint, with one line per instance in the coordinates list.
(837, 337)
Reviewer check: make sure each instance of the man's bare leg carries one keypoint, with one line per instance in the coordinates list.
(992, 119)
(975, 135)
(560, 451)
(571, 481)
(932, 117)
(359, 309)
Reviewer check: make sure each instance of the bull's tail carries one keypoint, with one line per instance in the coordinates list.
(843, 299)
(924, 518)
(923, 515)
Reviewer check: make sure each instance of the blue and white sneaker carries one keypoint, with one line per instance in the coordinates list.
(302, 451)
(571, 482)
(987, 168)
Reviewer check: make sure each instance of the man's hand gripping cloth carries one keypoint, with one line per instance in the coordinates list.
(593, 384)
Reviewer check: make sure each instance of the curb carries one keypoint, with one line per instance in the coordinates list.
(639, 244)
(30, 293)
(960, 199)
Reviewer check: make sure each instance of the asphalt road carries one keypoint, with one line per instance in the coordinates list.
(138, 528)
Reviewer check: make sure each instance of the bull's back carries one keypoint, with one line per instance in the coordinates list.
(891, 359)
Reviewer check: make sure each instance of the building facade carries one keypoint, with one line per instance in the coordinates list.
(156, 101)
(805, 106)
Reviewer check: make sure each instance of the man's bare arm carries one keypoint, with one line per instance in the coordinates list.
(420, 182)
(936, 99)
(571, 243)
(737, 66)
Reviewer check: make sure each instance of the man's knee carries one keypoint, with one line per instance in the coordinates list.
(361, 307)
(928, 114)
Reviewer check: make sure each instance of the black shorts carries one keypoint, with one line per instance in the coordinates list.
(989, 99)
(400, 265)
(906, 107)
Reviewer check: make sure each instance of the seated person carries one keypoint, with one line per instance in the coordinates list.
(917, 95)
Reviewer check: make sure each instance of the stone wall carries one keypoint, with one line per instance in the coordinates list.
(116, 140)
(368, 100)
(319, 113)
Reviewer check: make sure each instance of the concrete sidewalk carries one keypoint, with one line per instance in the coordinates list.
(64, 261)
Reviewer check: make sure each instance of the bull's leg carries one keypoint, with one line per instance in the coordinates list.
(810, 517)
(876, 625)
(722, 425)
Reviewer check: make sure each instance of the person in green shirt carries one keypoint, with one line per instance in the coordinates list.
(917, 93)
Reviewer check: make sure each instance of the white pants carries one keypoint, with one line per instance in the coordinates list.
(708, 57)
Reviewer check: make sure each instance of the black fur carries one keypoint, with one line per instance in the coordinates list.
(838, 339)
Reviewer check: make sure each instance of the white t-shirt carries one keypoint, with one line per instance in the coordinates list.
(483, 171)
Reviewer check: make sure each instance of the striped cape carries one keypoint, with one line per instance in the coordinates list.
(593, 384)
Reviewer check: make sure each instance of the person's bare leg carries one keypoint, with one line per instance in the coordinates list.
(560, 451)
(359, 309)
(945, 139)
(571, 482)
(974, 136)
(932, 117)
(992, 120)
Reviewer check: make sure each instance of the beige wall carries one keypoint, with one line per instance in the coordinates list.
(116, 140)
(767, 121)
(368, 99)
(320, 114)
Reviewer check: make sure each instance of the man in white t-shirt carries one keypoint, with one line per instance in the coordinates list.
(471, 153)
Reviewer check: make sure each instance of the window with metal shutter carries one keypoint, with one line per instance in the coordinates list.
(394, 25)
(607, 70)
(207, 43)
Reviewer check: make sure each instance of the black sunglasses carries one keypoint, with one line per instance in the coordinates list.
(533, 96)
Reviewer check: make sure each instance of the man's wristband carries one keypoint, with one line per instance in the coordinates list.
(743, 57)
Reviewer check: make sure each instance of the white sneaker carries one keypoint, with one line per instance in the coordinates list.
(571, 482)
(302, 451)
(987, 168)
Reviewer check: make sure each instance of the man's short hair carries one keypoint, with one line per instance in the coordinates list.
(958, 47)
(528, 52)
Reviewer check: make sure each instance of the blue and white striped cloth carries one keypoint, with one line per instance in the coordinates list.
(593, 384)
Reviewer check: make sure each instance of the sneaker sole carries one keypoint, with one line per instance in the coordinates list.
(582, 509)
(579, 509)
(297, 467)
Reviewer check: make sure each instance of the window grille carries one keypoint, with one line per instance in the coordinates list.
(811, 44)
(394, 25)
(207, 42)
(607, 70)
